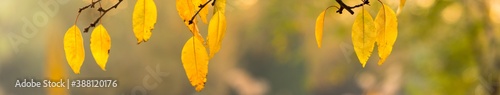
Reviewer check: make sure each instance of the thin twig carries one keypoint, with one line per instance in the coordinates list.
(197, 12)
(91, 5)
(349, 8)
(103, 13)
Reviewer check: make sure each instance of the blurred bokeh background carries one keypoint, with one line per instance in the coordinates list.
(444, 47)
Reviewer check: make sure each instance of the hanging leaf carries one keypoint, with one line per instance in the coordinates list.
(73, 47)
(216, 31)
(401, 5)
(100, 44)
(220, 6)
(363, 35)
(185, 9)
(144, 19)
(386, 25)
(195, 61)
(319, 28)
(204, 12)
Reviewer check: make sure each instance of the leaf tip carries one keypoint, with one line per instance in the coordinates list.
(76, 72)
(401, 5)
(381, 61)
(103, 67)
(199, 88)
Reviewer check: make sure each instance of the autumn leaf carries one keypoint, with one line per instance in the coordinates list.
(185, 9)
(204, 12)
(100, 44)
(220, 6)
(195, 61)
(319, 28)
(144, 19)
(363, 36)
(386, 24)
(73, 47)
(216, 31)
(401, 5)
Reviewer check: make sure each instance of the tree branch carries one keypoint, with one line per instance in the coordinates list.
(349, 8)
(91, 5)
(201, 7)
(103, 13)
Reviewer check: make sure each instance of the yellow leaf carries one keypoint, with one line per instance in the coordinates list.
(204, 12)
(73, 47)
(220, 6)
(319, 28)
(363, 35)
(194, 30)
(144, 19)
(216, 31)
(100, 44)
(195, 61)
(386, 25)
(401, 5)
(185, 9)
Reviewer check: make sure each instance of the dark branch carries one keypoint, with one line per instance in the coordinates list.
(349, 8)
(103, 13)
(91, 5)
(197, 12)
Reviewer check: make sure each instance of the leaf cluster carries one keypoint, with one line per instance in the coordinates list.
(196, 52)
(366, 31)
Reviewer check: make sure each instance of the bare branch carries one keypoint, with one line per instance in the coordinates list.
(103, 13)
(201, 7)
(349, 8)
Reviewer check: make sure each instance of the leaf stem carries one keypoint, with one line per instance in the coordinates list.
(76, 20)
(201, 7)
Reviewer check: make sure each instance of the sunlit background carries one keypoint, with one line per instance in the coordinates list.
(444, 47)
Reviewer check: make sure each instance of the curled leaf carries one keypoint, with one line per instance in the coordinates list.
(386, 24)
(100, 44)
(363, 36)
(73, 48)
(319, 28)
(216, 31)
(144, 19)
(195, 61)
